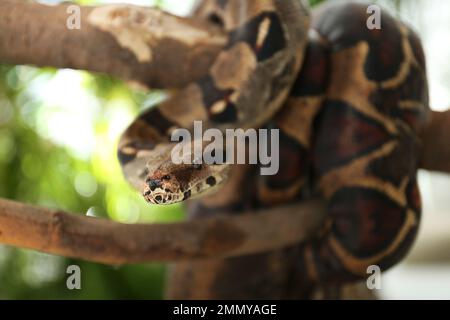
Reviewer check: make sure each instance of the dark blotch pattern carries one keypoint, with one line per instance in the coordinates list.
(275, 40)
(366, 221)
(211, 95)
(125, 158)
(157, 120)
(414, 88)
(229, 115)
(400, 163)
(313, 78)
(294, 159)
(345, 25)
(211, 181)
(343, 135)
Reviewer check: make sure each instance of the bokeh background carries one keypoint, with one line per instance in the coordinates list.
(58, 138)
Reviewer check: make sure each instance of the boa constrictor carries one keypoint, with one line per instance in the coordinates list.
(349, 103)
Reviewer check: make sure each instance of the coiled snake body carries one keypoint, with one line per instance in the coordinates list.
(349, 103)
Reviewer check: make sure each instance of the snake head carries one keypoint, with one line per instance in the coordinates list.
(176, 183)
(162, 188)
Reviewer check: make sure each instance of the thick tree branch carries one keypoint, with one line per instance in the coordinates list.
(435, 155)
(131, 42)
(109, 242)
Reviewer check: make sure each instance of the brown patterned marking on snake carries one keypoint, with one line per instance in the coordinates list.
(357, 173)
(366, 145)
(346, 27)
(349, 83)
(272, 196)
(313, 80)
(288, 184)
(265, 42)
(139, 136)
(358, 265)
(299, 110)
(408, 62)
(233, 67)
(218, 104)
(379, 220)
(412, 91)
(302, 107)
(350, 136)
(411, 105)
(363, 97)
(228, 199)
(183, 109)
(391, 167)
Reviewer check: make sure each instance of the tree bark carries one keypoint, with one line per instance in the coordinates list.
(435, 154)
(108, 242)
(181, 49)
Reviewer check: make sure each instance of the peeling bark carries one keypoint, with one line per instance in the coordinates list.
(37, 34)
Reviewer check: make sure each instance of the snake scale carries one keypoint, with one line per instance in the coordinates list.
(349, 103)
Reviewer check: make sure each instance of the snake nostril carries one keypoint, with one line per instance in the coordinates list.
(153, 184)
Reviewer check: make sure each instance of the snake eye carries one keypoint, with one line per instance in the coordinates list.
(166, 177)
(216, 19)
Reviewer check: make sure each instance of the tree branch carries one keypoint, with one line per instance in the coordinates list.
(110, 242)
(131, 42)
(435, 154)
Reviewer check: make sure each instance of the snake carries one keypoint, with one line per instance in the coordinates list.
(349, 103)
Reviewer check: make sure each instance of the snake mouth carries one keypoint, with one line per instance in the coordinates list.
(162, 198)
